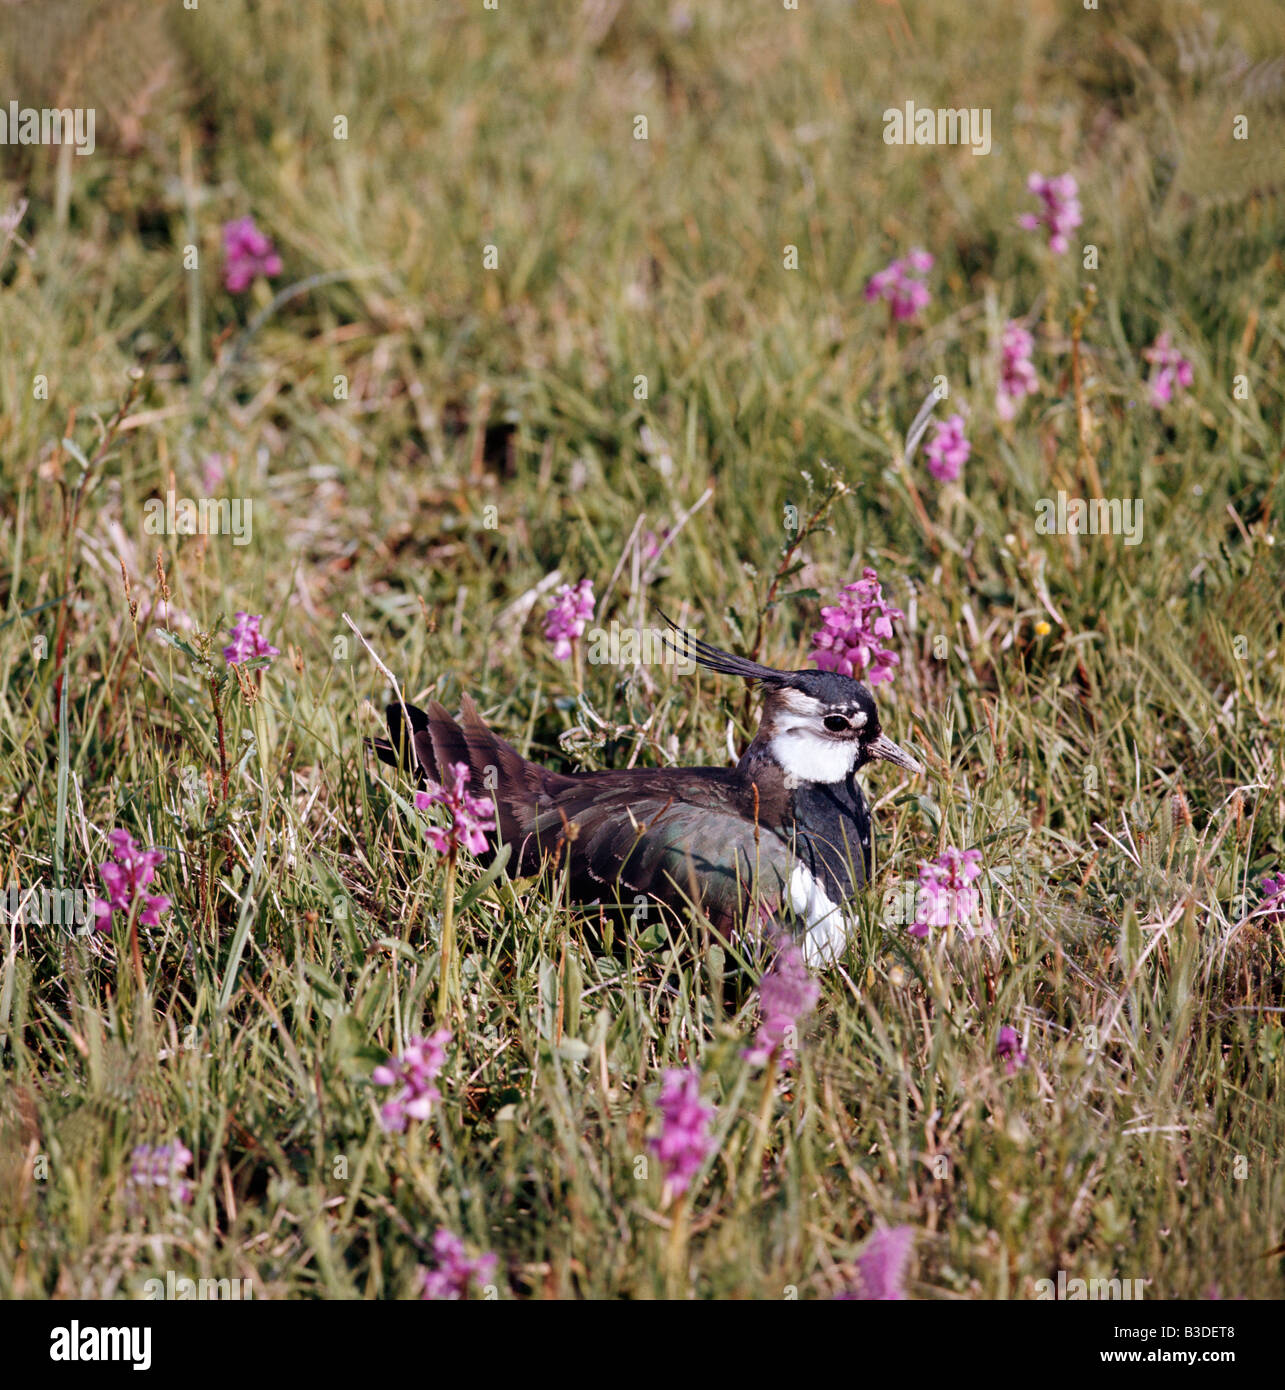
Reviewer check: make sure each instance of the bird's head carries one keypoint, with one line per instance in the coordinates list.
(817, 726)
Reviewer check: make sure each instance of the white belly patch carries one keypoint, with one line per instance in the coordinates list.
(828, 929)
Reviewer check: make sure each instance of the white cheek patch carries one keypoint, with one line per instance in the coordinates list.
(809, 758)
(828, 929)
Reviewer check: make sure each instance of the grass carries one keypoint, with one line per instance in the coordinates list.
(1102, 720)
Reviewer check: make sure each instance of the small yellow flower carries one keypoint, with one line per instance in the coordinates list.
(896, 976)
(1042, 629)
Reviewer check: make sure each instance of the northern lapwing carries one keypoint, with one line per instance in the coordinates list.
(788, 828)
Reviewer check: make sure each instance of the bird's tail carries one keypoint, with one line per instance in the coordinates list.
(497, 771)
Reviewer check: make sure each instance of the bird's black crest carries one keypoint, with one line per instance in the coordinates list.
(718, 660)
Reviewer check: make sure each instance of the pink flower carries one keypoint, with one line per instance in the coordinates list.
(565, 621)
(247, 641)
(1168, 368)
(124, 877)
(1009, 1047)
(787, 994)
(454, 1271)
(1016, 374)
(947, 451)
(214, 469)
(683, 1143)
(1273, 904)
(471, 817)
(882, 1265)
(651, 543)
(414, 1073)
(897, 284)
(853, 630)
(1061, 212)
(247, 252)
(163, 1166)
(946, 897)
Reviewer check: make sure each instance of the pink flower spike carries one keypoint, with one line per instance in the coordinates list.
(946, 897)
(213, 471)
(882, 1265)
(684, 1141)
(787, 994)
(1016, 374)
(897, 284)
(162, 1166)
(565, 621)
(247, 641)
(454, 1273)
(651, 543)
(1061, 213)
(948, 450)
(853, 632)
(414, 1073)
(247, 252)
(124, 876)
(1273, 904)
(1009, 1047)
(471, 818)
(150, 916)
(1169, 369)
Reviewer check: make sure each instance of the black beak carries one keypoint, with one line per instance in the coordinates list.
(884, 748)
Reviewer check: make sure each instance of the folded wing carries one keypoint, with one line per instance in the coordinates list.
(660, 832)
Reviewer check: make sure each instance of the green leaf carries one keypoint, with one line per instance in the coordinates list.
(321, 981)
(237, 948)
(74, 450)
(166, 636)
(653, 938)
(476, 889)
(350, 1048)
(39, 608)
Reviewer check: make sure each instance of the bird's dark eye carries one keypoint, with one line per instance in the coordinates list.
(835, 722)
